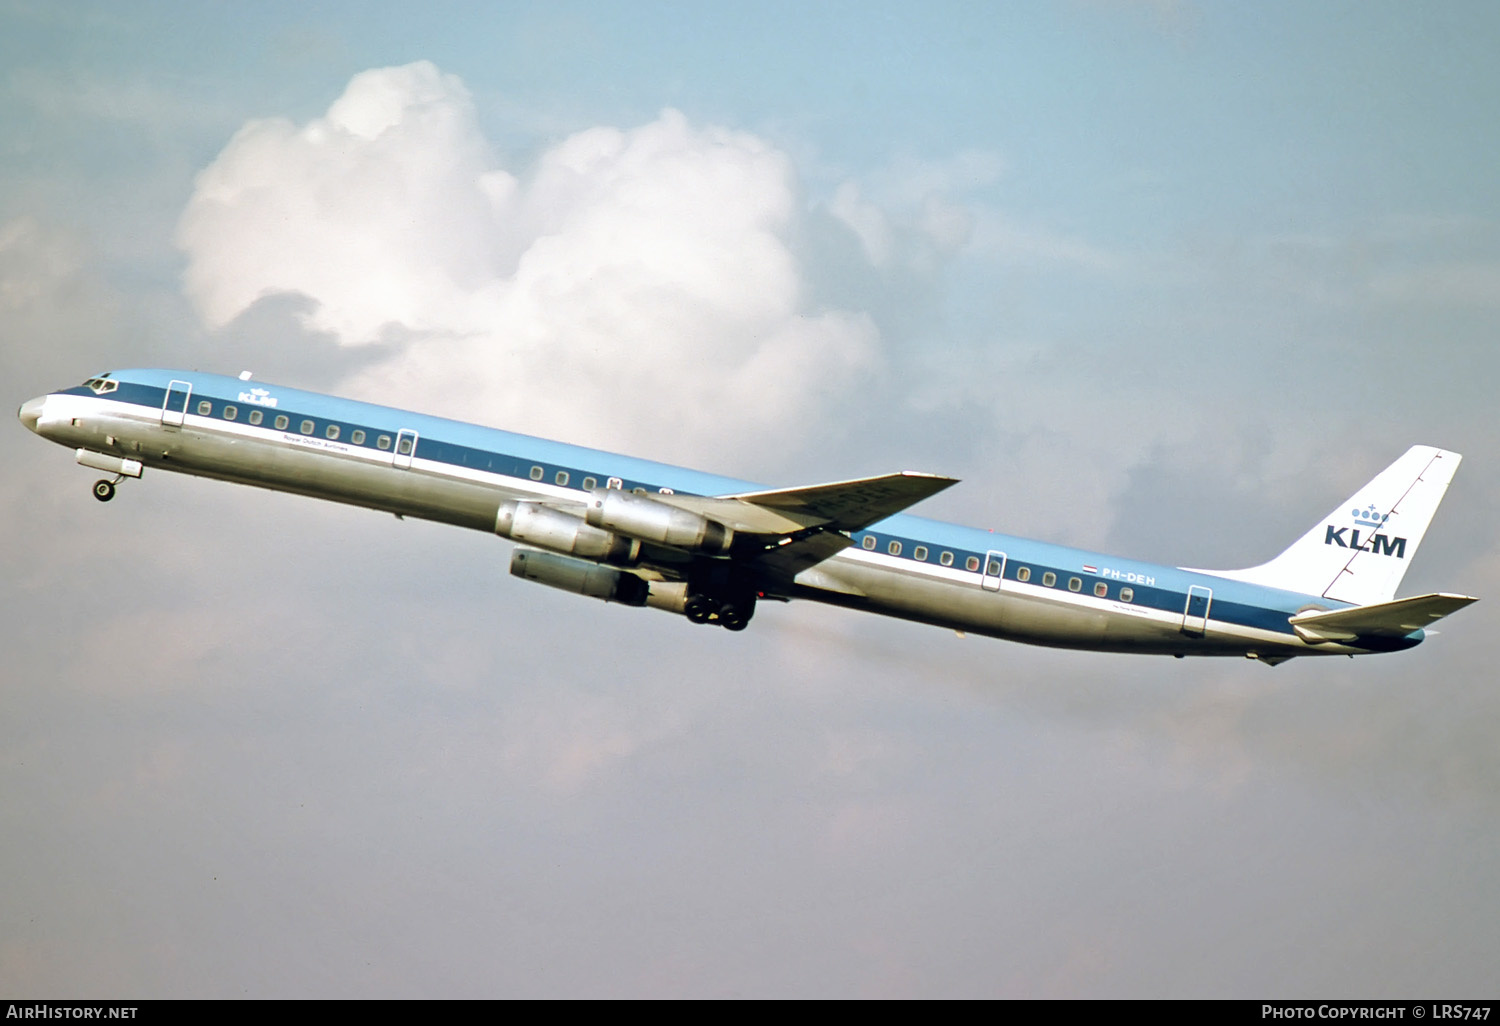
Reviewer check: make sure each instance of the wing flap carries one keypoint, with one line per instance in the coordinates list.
(791, 556)
(1382, 619)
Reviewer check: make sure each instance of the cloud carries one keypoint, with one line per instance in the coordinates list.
(905, 214)
(634, 288)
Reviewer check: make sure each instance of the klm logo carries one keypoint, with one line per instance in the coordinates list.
(1366, 520)
(258, 396)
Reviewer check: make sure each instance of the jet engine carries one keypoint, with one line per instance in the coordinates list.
(579, 577)
(652, 521)
(548, 528)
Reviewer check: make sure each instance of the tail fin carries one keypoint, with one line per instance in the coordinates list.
(1360, 551)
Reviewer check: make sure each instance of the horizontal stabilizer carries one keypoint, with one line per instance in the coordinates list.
(1382, 620)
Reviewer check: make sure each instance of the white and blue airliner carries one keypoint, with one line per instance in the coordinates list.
(710, 548)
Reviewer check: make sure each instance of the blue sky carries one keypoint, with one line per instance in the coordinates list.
(1165, 279)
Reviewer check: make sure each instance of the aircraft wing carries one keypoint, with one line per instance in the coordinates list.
(837, 506)
(1382, 619)
(852, 505)
(800, 527)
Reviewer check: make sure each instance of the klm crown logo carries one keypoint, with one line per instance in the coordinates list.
(1369, 519)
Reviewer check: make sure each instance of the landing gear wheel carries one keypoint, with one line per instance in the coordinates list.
(104, 490)
(734, 618)
(700, 608)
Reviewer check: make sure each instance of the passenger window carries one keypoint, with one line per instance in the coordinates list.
(1127, 594)
(589, 484)
(562, 477)
(920, 552)
(1049, 579)
(404, 447)
(992, 568)
(358, 438)
(615, 482)
(331, 432)
(383, 442)
(946, 559)
(230, 413)
(1024, 574)
(1101, 589)
(282, 422)
(205, 408)
(256, 416)
(972, 563)
(894, 548)
(1074, 584)
(536, 473)
(868, 541)
(307, 427)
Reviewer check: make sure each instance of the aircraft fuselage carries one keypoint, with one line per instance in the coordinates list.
(965, 579)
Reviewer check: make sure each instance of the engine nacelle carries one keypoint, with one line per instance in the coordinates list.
(548, 528)
(579, 577)
(669, 595)
(652, 521)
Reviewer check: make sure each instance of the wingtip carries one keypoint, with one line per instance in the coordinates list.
(928, 476)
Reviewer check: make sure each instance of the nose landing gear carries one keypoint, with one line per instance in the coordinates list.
(104, 488)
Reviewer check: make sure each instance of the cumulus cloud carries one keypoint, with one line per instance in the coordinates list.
(634, 288)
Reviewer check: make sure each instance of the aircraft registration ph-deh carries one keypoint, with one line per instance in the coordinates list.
(709, 548)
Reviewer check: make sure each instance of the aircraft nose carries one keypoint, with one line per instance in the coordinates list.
(31, 412)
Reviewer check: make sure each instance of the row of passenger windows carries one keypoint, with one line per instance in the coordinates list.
(307, 427)
(562, 477)
(282, 422)
(994, 568)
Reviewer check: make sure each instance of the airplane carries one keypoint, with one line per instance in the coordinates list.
(710, 548)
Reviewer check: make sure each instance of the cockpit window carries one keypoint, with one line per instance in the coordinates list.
(101, 385)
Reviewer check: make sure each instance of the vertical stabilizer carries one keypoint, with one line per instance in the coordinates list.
(1360, 551)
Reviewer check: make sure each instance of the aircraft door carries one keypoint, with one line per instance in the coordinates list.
(406, 447)
(1195, 613)
(994, 570)
(175, 405)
